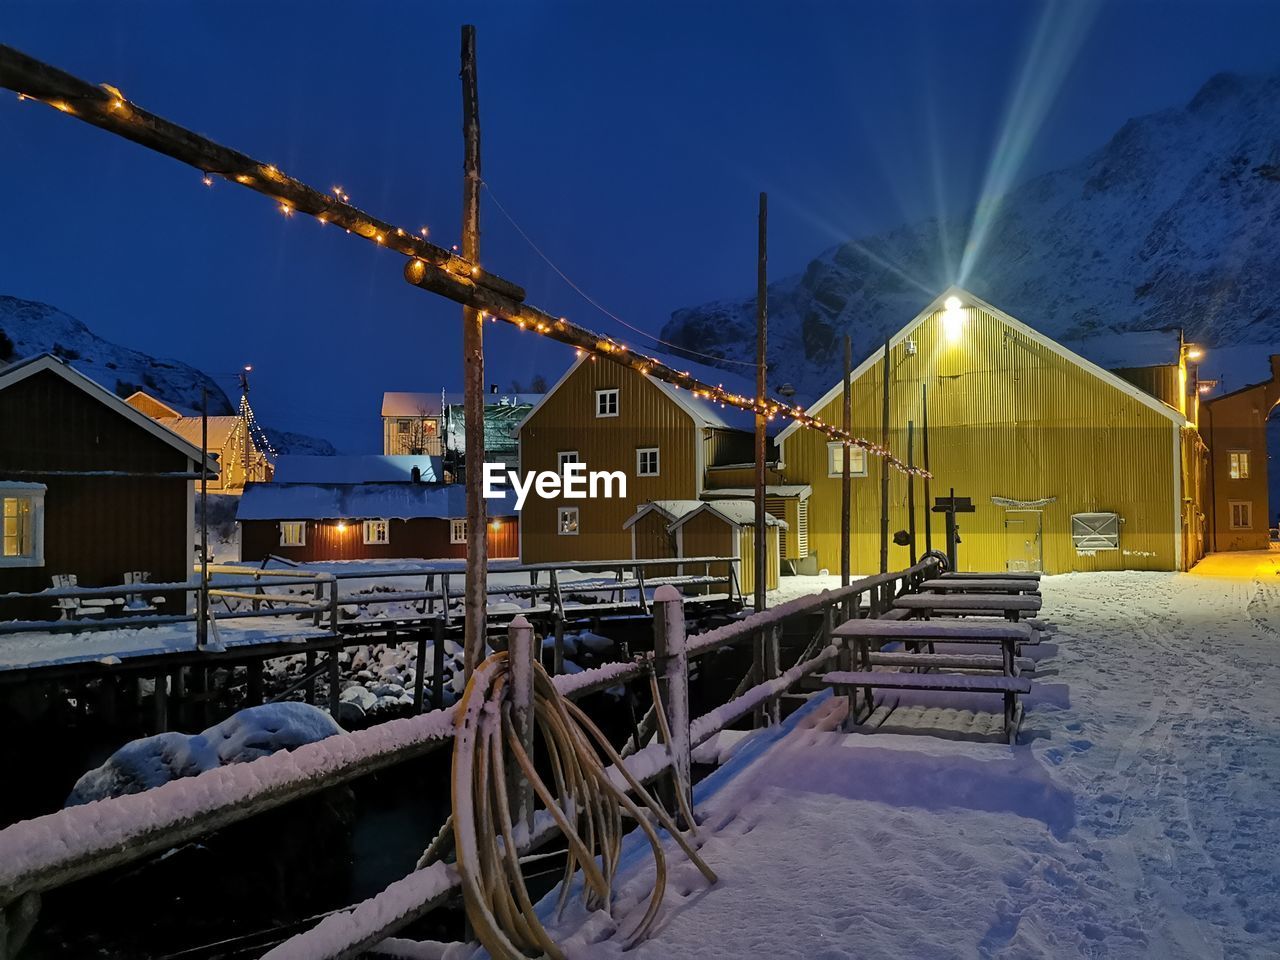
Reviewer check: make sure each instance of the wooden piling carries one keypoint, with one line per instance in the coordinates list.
(762, 390)
(884, 470)
(671, 661)
(476, 596)
(846, 486)
(911, 493)
(420, 672)
(520, 654)
(437, 664)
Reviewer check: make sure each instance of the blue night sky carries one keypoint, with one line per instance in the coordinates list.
(628, 139)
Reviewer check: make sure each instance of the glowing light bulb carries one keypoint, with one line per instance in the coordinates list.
(952, 303)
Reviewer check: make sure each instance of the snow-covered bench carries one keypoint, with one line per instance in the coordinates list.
(1008, 687)
(862, 635)
(1011, 605)
(993, 575)
(981, 585)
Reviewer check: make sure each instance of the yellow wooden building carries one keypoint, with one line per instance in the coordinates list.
(1070, 467)
(671, 446)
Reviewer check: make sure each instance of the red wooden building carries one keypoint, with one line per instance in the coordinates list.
(88, 485)
(308, 522)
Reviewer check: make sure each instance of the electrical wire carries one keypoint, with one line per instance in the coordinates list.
(587, 297)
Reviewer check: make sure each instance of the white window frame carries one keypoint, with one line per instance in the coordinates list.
(33, 535)
(458, 530)
(302, 533)
(561, 514)
(602, 402)
(371, 528)
(1238, 465)
(657, 462)
(835, 464)
(1247, 506)
(566, 456)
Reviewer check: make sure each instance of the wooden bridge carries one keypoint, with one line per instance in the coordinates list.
(48, 852)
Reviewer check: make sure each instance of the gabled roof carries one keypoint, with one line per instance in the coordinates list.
(741, 513)
(140, 398)
(969, 300)
(801, 491)
(372, 468)
(701, 411)
(361, 501)
(191, 429)
(18, 372)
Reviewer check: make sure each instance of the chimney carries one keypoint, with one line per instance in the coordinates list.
(415, 475)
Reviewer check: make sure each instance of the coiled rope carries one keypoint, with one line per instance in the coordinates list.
(587, 807)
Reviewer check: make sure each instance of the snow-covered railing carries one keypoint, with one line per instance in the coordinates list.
(78, 842)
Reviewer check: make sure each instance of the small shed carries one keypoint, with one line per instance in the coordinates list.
(240, 457)
(309, 522)
(697, 528)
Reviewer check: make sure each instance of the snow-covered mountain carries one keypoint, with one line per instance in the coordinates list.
(1173, 223)
(29, 328)
(34, 328)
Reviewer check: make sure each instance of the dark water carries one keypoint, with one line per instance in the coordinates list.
(235, 893)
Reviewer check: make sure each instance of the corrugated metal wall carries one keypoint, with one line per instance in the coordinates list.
(647, 417)
(1008, 418)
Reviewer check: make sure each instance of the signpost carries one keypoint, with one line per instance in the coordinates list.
(950, 506)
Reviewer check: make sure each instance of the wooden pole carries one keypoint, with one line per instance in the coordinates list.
(846, 485)
(520, 654)
(672, 663)
(924, 438)
(884, 470)
(911, 493)
(202, 595)
(762, 319)
(476, 596)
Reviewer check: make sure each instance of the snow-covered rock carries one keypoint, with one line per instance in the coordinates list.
(1170, 224)
(257, 731)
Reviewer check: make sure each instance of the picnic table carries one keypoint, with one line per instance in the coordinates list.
(861, 635)
(1011, 606)
(976, 585)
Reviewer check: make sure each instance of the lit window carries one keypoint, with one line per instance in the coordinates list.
(1239, 466)
(1241, 514)
(835, 460)
(567, 522)
(458, 530)
(293, 533)
(607, 403)
(377, 531)
(22, 510)
(566, 456)
(647, 462)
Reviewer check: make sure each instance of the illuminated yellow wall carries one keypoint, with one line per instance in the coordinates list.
(1009, 418)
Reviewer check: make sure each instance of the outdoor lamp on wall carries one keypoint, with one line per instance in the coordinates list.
(342, 527)
(952, 319)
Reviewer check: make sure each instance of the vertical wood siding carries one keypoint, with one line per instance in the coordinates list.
(647, 417)
(97, 527)
(1007, 418)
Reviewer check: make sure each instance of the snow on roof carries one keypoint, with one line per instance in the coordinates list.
(361, 501)
(670, 509)
(372, 468)
(1137, 348)
(190, 429)
(739, 512)
(801, 490)
(412, 404)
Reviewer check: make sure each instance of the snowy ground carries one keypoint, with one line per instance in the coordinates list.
(1139, 818)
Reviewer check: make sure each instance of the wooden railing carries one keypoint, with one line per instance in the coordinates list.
(80, 842)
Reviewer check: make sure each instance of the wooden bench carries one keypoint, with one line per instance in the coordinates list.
(1010, 605)
(994, 575)
(861, 634)
(976, 585)
(950, 661)
(1008, 687)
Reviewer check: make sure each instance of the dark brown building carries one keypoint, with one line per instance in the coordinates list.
(307, 522)
(88, 486)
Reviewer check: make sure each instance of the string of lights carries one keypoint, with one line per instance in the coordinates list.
(430, 267)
